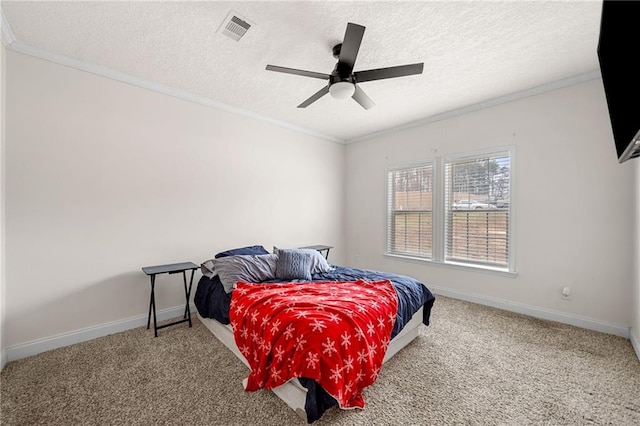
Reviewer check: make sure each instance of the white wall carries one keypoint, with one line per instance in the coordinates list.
(103, 178)
(574, 206)
(2, 180)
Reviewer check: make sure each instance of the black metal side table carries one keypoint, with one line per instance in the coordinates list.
(320, 248)
(173, 268)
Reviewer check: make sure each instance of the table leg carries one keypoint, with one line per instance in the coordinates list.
(187, 294)
(152, 301)
(152, 306)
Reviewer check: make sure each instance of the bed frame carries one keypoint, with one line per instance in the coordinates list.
(292, 392)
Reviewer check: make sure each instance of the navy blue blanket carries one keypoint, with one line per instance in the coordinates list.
(412, 294)
(211, 299)
(213, 302)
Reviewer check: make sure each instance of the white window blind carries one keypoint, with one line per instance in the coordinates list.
(410, 211)
(477, 209)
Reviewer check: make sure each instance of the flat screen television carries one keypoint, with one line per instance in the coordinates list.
(618, 51)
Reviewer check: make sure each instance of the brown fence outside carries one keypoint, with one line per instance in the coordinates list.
(411, 232)
(478, 236)
(413, 200)
(474, 235)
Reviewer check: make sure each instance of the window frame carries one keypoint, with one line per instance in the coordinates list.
(439, 212)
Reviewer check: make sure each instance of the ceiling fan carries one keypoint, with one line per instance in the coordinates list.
(343, 81)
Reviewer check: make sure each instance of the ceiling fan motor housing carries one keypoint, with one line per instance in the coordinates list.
(337, 77)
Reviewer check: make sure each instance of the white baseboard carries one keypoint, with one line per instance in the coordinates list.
(37, 346)
(536, 312)
(3, 359)
(635, 341)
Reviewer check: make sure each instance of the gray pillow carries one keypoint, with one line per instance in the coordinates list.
(318, 263)
(247, 268)
(293, 265)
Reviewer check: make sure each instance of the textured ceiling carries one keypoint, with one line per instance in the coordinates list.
(473, 51)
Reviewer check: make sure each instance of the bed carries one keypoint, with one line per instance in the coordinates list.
(249, 283)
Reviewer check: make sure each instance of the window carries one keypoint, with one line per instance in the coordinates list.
(477, 193)
(410, 211)
(455, 210)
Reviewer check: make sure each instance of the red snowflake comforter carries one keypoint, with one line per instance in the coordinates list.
(335, 333)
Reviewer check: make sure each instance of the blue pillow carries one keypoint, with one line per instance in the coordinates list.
(293, 265)
(243, 251)
(319, 263)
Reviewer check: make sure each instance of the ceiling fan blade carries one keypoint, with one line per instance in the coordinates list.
(350, 48)
(320, 93)
(360, 97)
(390, 72)
(298, 72)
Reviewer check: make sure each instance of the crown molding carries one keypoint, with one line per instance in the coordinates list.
(18, 46)
(10, 42)
(554, 85)
(6, 35)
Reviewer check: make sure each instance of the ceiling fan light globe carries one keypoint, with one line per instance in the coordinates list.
(342, 90)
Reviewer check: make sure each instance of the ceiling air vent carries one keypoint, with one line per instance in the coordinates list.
(234, 26)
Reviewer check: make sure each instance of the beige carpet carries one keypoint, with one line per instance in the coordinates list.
(474, 366)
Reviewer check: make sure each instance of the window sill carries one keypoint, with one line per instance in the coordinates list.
(454, 265)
